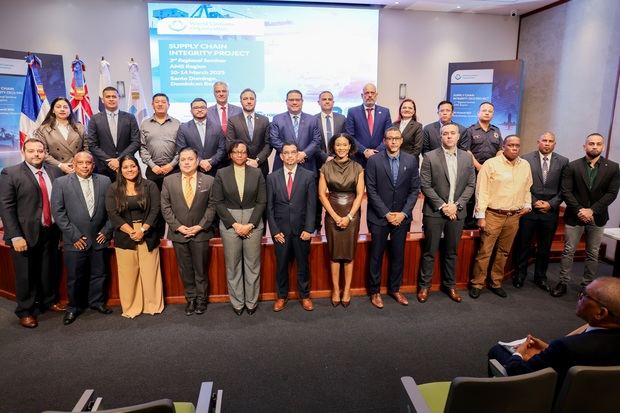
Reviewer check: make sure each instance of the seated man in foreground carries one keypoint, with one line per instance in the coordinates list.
(598, 345)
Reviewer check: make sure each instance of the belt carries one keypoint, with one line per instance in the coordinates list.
(507, 212)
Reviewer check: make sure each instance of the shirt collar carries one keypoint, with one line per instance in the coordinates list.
(35, 170)
(90, 178)
(286, 170)
(108, 113)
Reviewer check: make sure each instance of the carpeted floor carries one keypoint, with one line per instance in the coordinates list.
(328, 360)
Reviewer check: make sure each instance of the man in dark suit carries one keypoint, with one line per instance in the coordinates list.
(291, 201)
(219, 113)
(186, 207)
(589, 185)
(367, 123)
(205, 136)
(78, 206)
(392, 185)
(240, 126)
(448, 180)
(29, 230)
(597, 345)
(542, 221)
(432, 132)
(300, 128)
(112, 134)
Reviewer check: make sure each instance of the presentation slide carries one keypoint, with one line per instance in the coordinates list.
(268, 48)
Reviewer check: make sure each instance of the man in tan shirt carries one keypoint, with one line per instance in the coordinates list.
(502, 197)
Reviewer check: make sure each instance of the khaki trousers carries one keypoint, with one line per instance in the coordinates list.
(500, 232)
(139, 280)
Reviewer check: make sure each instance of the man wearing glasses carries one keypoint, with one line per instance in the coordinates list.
(595, 345)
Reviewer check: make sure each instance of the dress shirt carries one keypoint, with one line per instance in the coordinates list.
(48, 184)
(403, 124)
(194, 182)
(63, 129)
(220, 111)
(201, 125)
(84, 184)
(240, 179)
(451, 162)
(285, 171)
(366, 111)
(158, 144)
(591, 171)
(324, 126)
(542, 160)
(503, 185)
(109, 117)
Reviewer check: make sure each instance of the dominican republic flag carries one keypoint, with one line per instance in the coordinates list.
(80, 102)
(136, 104)
(104, 80)
(34, 102)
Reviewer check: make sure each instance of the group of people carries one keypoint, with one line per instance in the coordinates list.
(211, 175)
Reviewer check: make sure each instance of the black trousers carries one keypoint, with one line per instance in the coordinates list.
(433, 228)
(193, 261)
(86, 276)
(378, 245)
(160, 224)
(37, 273)
(539, 226)
(293, 247)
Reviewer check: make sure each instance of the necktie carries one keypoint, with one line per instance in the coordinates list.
(113, 127)
(545, 169)
(394, 169)
(296, 125)
(328, 128)
(371, 121)
(88, 197)
(47, 212)
(250, 127)
(224, 120)
(289, 185)
(188, 191)
(201, 131)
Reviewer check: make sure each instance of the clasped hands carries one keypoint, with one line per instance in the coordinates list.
(304, 236)
(530, 347)
(586, 215)
(542, 206)
(450, 210)
(189, 232)
(81, 243)
(395, 218)
(162, 170)
(342, 222)
(243, 230)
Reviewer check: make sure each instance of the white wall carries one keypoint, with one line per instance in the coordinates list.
(414, 47)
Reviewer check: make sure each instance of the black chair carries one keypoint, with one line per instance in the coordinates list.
(589, 389)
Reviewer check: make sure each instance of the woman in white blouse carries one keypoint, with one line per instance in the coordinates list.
(62, 135)
(410, 128)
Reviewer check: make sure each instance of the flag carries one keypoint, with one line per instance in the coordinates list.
(104, 80)
(80, 101)
(136, 105)
(34, 102)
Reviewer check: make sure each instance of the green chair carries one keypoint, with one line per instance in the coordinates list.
(532, 392)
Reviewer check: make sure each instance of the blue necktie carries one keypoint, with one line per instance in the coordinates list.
(250, 127)
(395, 169)
(296, 125)
(328, 127)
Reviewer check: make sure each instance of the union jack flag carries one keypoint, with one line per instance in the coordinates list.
(80, 101)
(34, 102)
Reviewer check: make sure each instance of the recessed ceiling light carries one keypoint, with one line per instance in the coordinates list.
(458, 7)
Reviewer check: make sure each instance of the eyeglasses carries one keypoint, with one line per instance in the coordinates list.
(394, 139)
(584, 294)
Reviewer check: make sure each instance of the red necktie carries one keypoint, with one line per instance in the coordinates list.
(224, 120)
(371, 121)
(289, 185)
(47, 212)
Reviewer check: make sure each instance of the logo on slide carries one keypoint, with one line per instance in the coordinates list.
(177, 25)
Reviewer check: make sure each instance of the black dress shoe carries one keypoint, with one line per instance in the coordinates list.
(499, 291)
(103, 309)
(190, 307)
(69, 318)
(518, 283)
(251, 311)
(542, 284)
(559, 290)
(201, 306)
(238, 311)
(474, 292)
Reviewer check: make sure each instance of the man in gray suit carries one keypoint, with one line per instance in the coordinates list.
(542, 221)
(186, 207)
(205, 136)
(448, 181)
(78, 207)
(253, 129)
(219, 113)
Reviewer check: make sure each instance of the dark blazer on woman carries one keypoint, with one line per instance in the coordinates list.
(413, 137)
(226, 195)
(150, 217)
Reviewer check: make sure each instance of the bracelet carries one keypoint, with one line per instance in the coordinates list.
(350, 217)
(142, 229)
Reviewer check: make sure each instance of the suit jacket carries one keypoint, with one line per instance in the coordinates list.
(550, 190)
(337, 127)
(412, 137)
(59, 149)
(577, 195)
(71, 213)
(226, 195)
(150, 216)
(308, 137)
(100, 141)
(383, 195)
(214, 146)
(431, 139)
(21, 205)
(435, 182)
(298, 214)
(258, 147)
(357, 126)
(214, 117)
(177, 213)
(592, 348)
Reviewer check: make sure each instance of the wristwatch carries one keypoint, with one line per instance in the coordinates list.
(459, 207)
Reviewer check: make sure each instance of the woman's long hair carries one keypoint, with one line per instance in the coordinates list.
(120, 194)
(50, 118)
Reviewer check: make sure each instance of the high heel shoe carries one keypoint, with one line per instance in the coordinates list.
(336, 303)
(345, 303)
